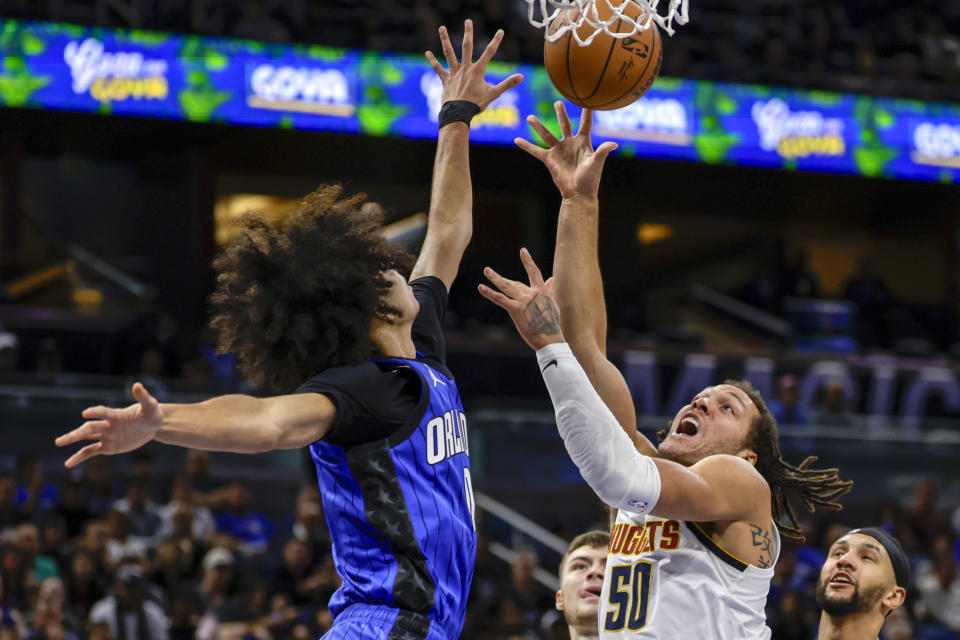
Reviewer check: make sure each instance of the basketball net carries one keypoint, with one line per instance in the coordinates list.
(577, 13)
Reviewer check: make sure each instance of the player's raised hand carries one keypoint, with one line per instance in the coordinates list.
(115, 430)
(465, 79)
(572, 161)
(531, 307)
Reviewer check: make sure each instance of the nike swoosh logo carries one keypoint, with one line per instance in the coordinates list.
(552, 362)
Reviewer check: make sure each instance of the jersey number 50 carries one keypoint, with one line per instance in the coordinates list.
(630, 594)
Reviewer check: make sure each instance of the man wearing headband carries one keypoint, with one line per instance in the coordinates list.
(865, 577)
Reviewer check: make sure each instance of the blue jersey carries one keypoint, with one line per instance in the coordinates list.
(401, 511)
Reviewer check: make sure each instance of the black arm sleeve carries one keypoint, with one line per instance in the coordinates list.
(431, 293)
(371, 403)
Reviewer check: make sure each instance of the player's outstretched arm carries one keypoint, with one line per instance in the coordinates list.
(465, 93)
(233, 423)
(717, 488)
(576, 169)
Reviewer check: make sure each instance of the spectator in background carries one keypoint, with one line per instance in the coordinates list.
(73, 506)
(309, 524)
(84, 585)
(10, 616)
(218, 577)
(798, 280)
(16, 576)
(94, 541)
(143, 513)
(939, 585)
(100, 489)
(143, 466)
(249, 531)
(185, 614)
(57, 620)
(128, 612)
(183, 498)
(171, 568)
(40, 567)
(53, 540)
(10, 514)
(523, 596)
(293, 576)
(870, 293)
(198, 473)
(833, 409)
(34, 496)
(785, 407)
(121, 545)
(924, 519)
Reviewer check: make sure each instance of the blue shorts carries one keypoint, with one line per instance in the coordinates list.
(379, 622)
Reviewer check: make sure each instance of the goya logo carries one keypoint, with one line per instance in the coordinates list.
(502, 112)
(305, 89)
(660, 120)
(937, 144)
(114, 76)
(797, 134)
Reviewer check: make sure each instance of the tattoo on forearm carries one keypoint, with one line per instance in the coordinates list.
(543, 315)
(761, 539)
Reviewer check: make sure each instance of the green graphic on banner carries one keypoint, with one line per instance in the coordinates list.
(247, 83)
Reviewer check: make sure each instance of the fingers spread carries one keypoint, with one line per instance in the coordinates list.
(507, 84)
(563, 119)
(84, 454)
(495, 297)
(537, 152)
(466, 49)
(448, 53)
(432, 59)
(548, 138)
(586, 123)
(504, 284)
(96, 413)
(491, 49)
(86, 431)
(533, 271)
(604, 150)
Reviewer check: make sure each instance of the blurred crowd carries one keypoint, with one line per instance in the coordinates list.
(108, 554)
(881, 47)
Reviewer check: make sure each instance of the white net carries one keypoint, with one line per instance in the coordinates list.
(573, 14)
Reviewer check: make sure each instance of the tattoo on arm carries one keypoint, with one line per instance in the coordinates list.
(543, 315)
(761, 540)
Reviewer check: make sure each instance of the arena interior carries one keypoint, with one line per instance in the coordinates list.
(835, 288)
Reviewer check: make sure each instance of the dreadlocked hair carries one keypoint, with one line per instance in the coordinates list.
(814, 487)
(298, 299)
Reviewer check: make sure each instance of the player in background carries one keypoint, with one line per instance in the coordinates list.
(865, 577)
(696, 533)
(581, 580)
(320, 307)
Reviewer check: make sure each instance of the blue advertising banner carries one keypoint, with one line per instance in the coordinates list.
(137, 73)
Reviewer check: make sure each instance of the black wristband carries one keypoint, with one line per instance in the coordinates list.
(458, 111)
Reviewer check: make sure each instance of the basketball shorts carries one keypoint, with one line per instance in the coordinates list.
(378, 622)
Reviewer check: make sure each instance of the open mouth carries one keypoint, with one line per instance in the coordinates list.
(591, 593)
(688, 426)
(841, 580)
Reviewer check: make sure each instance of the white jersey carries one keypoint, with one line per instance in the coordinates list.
(668, 580)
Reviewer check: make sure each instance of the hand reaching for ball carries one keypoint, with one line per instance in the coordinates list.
(572, 161)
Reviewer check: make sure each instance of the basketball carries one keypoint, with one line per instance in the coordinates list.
(610, 72)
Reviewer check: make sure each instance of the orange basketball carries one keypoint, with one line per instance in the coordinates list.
(608, 73)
